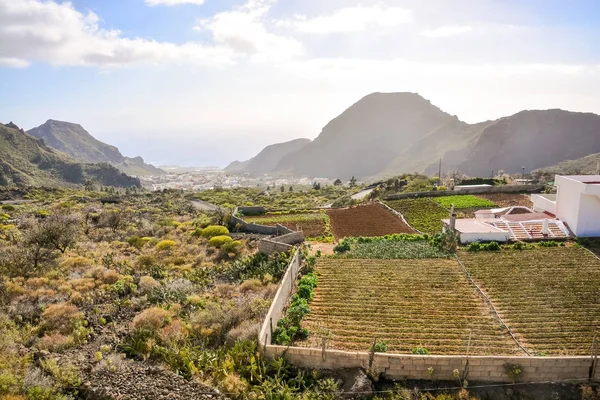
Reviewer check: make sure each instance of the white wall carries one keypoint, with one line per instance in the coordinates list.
(544, 203)
(484, 237)
(589, 216)
(567, 200)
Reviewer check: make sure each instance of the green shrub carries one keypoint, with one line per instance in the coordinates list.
(379, 347)
(233, 247)
(8, 207)
(214, 230)
(219, 241)
(342, 247)
(4, 217)
(420, 350)
(137, 242)
(165, 245)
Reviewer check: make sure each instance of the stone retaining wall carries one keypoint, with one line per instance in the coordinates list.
(479, 190)
(402, 366)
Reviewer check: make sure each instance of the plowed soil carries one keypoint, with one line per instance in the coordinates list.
(367, 220)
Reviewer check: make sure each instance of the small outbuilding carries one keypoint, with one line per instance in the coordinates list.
(576, 202)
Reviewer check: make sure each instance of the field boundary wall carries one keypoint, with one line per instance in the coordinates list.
(409, 366)
(479, 190)
(281, 299)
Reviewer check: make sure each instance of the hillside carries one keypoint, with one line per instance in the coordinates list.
(530, 139)
(582, 166)
(386, 134)
(27, 161)
(268, 159)
(370, 135)
(76, 142)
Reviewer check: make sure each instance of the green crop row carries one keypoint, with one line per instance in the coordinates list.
(422, 214)
(463, 201)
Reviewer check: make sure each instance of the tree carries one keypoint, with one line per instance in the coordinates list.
(337, 182)
(59, 231)
(316, 186)
(291, 188)
(352, 181)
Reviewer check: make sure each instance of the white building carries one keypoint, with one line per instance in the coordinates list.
(576, 202)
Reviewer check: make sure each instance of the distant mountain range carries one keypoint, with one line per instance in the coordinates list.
(268, 159)
(28, 161)
(386, 134)
(587, 165)
(76, 142)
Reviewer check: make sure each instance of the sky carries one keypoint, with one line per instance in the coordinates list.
(205, 82)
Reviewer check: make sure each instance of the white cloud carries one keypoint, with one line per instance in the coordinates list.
(13, 62)
(244, 31)
(350, 19)
(446, 31)
(153, 3)
(46, 31)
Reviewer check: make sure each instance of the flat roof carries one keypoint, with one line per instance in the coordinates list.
(589, 179)
(471, 225)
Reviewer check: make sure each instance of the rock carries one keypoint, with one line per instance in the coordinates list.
(355, 381)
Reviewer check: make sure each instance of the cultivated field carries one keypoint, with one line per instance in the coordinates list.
(367, 220)
(405, 303)
(549, 297)
(422, 214)
(310, 223)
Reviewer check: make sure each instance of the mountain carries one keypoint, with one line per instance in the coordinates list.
(76, 142)
(530, 139)
(587, 165)
(268, 159)
(28, 161)
(386, 134)
(375, 132)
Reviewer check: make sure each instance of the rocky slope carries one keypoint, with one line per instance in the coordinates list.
(28, 161)
(76, 142)
(386, 134)
(268, 159)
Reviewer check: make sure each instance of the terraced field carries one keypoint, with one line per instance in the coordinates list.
(549, 297)
(310, 223)
(422, 214)
(367, 220)
(406, 303)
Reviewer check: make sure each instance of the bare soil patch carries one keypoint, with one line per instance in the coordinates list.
(367, 220)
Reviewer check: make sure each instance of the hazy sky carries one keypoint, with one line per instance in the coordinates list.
(203, 82)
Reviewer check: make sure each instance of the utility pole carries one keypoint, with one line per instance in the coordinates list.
(523, 176)
(492, 174)
(440, 173)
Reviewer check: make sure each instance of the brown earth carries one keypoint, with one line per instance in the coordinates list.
(366, 220)
(309, 228)
(508, 199)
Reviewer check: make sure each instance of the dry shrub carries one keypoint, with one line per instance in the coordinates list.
(147, 283)
(174, 333)
(83, 285)
(76, 298)
(247, 330)
(96, 272)
(195, 300)
(234, 384)
(13, 289)
(36, 282)
(153, 319)
(109, 277)
(76, 263)
(225, 290)
(61, 317)
(251, 285)
(39, 293)
(65, 289)
(55, 342)
(12, 397)
(175, 309)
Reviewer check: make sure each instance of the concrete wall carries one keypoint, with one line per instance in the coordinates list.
(252, 210)
(589, 216)
(568, 195)
(402, 366)
(544, 202)
(269, 247)
(286, 287)
(484, 190)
